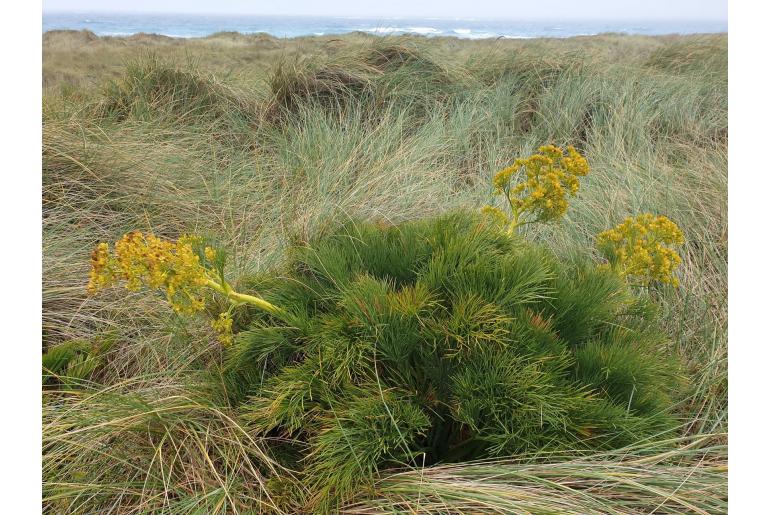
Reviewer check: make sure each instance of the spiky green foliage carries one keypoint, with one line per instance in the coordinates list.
(446, 340)
(72, 362)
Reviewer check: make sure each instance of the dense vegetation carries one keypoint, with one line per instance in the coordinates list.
(265, 145)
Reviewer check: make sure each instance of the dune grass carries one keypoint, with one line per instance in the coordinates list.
(639, 479)
(258, 143)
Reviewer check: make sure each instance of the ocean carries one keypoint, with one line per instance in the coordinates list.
(189, 26)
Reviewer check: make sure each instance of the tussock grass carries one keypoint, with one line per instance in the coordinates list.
(152, 90)
(640, 479)
(259, 143)
(142, 447)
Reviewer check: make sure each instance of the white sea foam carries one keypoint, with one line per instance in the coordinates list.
(481, 35)
(424, 30)
(384, 30)
(412, 30)
(462, 31)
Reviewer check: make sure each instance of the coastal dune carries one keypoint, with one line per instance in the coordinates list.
(261, 143)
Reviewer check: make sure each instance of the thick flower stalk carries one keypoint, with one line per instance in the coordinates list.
(540, 193)
(184, 269)
(639, 249)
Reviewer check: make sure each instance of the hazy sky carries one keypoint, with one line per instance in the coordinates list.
(556, 9)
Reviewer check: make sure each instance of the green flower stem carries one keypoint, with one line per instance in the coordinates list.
(233, 295)
(515, 212)
(514, 224)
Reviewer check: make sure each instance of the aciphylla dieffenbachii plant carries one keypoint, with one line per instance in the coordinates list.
(441, 340)
(444, 340)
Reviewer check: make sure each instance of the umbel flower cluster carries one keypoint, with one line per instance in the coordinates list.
(639, 249)
(184, 269)
(541, 192)
(148, 261)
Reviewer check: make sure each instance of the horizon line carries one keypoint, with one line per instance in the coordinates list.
(383, 16)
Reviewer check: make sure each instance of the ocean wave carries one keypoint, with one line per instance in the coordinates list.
(425, 30)
(383, 30)
(394, 30)
(462, 31)
(480, 35)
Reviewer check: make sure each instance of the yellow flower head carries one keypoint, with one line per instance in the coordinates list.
(495, 214)
(545, 180)
(101, 273)
(148, 261)
(640, 248)
(502, 178)
(224, 326)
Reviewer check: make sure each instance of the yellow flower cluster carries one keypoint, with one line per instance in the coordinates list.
(102, 268)
(146, 260)
(639, 248)
(224, 326)
(495, 213)
(549, 177)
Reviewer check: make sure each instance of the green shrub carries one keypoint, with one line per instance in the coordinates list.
(444, 340)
